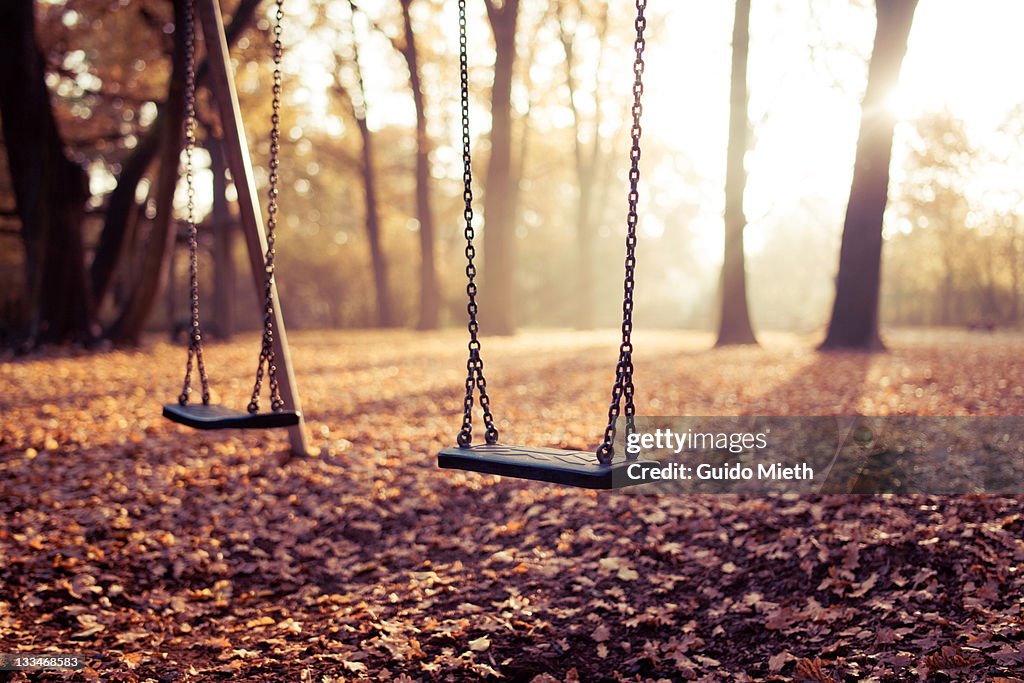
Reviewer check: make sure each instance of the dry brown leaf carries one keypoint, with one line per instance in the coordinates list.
(480, 644)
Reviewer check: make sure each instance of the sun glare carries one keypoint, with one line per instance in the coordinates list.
(805, 112)
(904, 105)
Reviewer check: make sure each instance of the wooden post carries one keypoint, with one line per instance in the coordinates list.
(222, 85)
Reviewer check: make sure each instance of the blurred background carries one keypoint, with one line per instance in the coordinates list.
(371, 230)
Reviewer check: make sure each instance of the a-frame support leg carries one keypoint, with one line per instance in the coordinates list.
(222, 85)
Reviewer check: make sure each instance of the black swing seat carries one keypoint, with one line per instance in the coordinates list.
(568, 468)
(199, 416)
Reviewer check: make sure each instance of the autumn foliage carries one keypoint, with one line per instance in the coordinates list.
(167, 554)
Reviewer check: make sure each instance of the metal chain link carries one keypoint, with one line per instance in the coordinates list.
(195, 344)
(267, 351)
(475, 363)
(623, 388)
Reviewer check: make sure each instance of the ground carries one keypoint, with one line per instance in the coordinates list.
(166, 554)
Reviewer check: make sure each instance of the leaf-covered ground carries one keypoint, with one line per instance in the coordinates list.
(167, 554)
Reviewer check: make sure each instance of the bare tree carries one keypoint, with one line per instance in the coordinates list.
(430, 292)
(854, 322)
(356, 102)
(223, 243)
(500, 189)
(734, 320)
(588, 158)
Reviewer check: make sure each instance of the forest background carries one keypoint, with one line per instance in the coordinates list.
(371, 231)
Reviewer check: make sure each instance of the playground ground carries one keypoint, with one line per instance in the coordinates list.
(166, 554)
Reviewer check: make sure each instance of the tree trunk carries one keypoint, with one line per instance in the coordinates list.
(1015, 261)
(430, 293)
(946, 313)
(587, 162)
(122, 210)
(854, 323)
(499, 291)
(378, 262)
(223, 245)
(385, 317)
(171, 294)
(734, 319)
(129, 325)
(50, 190)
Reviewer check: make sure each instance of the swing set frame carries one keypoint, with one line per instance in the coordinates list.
(239, 162)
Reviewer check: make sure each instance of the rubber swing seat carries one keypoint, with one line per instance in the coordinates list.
(568, 468)
(199, 416)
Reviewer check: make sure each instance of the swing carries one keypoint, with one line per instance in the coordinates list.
(207, 415)
(603, 470)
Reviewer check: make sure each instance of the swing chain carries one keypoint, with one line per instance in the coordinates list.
(267, 355)
(623, 389)
(475, 363)
(195, 344)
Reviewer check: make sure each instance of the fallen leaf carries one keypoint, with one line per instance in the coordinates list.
(779, 660)
(480, 644)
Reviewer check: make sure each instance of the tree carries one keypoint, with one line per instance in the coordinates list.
(937, 173)
(430, 292)
(854, 322)
(588, 160)
(65, 292)
(129, 325)
(123, 211)
(500, 190)
(954, 252)
(356, 102)
(50, 189)
(1013, 217)
(223, 243)
(734, 320)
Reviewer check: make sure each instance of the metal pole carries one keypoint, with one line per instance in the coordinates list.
(222, 85)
